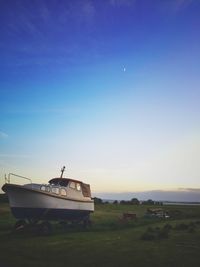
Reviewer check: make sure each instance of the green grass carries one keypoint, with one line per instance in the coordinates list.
(109, 242)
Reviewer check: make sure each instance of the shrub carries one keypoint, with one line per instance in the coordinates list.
(167, 226)
(148, 236)
(156, 233)
(191, 229)
(163, 233)
(182, 226)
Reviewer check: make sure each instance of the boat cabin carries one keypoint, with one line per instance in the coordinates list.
(67, 186)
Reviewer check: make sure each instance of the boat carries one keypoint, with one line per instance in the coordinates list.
(62, 199)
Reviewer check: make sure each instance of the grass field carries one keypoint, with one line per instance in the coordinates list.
(109, 241)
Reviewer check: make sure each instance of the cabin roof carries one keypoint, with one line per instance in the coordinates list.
(63, 180)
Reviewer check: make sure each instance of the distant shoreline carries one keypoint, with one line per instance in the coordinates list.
(165, 202)
(181, 203)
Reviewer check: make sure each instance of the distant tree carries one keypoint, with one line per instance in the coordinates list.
(97, 200)
(135, 201)
(148, 202)
(115, 202)
(3, 198)
(159, 203)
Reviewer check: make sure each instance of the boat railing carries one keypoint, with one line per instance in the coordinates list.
(7, 180)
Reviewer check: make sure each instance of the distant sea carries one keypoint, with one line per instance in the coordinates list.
(181, 203)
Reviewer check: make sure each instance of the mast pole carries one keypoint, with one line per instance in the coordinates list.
(62, 171)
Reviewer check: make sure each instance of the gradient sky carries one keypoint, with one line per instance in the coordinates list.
(109, 88)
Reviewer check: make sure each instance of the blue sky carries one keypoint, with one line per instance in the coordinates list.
(108, 88)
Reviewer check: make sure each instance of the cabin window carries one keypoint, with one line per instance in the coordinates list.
(55, 190)
(63, 192)
(72, 185)
(43, 188)
(47, 188)
(78, 187)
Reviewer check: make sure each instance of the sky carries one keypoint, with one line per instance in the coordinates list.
(108, 88)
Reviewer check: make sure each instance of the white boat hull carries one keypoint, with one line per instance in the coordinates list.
(32, 204)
